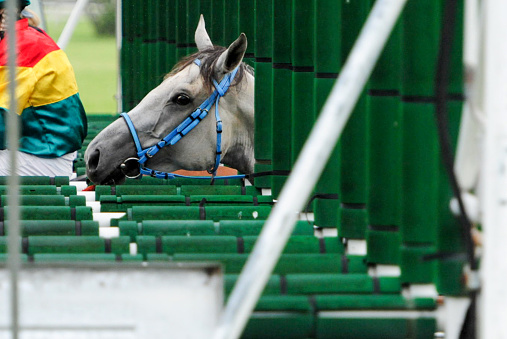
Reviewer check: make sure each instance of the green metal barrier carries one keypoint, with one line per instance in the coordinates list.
(384, 182)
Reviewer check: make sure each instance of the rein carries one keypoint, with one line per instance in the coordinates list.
(180, 131)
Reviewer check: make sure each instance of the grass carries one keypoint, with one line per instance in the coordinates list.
(95, 62)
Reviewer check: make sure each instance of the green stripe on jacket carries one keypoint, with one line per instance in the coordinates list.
(52, 130)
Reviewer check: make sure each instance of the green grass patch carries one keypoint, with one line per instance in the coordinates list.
(95, 62)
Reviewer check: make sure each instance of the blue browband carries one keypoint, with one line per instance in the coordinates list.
(183, 129)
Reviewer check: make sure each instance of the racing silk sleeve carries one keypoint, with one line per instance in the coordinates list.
(53, 120)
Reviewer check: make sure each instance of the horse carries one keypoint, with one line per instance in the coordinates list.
(164, 108)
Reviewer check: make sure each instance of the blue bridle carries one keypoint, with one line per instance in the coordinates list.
(183, 129)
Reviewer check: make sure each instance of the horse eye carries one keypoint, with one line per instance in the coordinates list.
(182, 99)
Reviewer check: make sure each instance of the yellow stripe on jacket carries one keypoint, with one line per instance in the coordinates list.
(50, 80)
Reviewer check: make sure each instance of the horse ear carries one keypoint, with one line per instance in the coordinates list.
(232, 56)
(202, 39)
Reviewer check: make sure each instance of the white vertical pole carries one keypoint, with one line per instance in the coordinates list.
(119, 41)
(471, 132)
(308, 167)
(494, 172)
(14, 244)
(68, 30)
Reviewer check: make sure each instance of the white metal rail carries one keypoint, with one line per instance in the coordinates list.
(14, 243)
(493, 89)
(308, 167)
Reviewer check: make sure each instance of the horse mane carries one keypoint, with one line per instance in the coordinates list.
(208, 58)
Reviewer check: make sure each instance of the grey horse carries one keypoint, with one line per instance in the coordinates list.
(166, 106)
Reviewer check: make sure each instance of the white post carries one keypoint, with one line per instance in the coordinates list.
(494, 172)
(308, 167)
(14, 243)
(68, 30)
(119, 41)
(471, 132)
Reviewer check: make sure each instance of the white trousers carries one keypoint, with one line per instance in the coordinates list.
(31, 165)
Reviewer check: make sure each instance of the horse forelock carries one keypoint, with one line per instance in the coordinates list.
(208, 58)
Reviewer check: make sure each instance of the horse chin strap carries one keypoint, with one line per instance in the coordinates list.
(179, 132)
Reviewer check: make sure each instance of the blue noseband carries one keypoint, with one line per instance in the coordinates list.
(183, 129)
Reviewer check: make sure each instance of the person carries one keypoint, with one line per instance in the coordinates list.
(52, 117)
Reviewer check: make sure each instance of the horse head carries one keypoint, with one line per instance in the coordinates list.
(183, 90)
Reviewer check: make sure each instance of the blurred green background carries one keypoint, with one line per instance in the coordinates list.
(92, 51)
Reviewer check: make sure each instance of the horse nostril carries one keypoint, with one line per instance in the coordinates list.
(93, 160)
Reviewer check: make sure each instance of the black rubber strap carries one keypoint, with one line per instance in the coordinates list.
(202, 209)
(241, 245)
(79, 228)
(158, 245)
(283, 285)
(107, 245)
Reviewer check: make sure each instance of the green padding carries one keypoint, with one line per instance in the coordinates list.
(272, 286)
(37, 200)
(414, 269)
(263, 29)
(163, 213)
(72, 244)
(303, 110)
(383, 247)
(217, 22)
(47, 200)
(65, 244)
(450, 279)
(51, 213)
(247, 26)
(42, 190)
(389, 284)
(232, 21)
(146, 244)
(282, 32)
(263, 182)
(218, 213)
(329, 283)
(254, 227)
(32, 189)
(353, 223)
(135, 190)
(230, 199)
(328, 36)
(291, 303)
(38, 180)
(87, 257)
(113, 203)
(4, 256)
(420, 51)
(238, 228)
(180, 227)
(371, 302)
(295, 244)
(303, 33)
(387, 73)
(276, 326)
(288, 263)
(420, 181)
(263, 107)
(3, 244)
(57, 227)
(120, 245)
(354, 151)
(199, 244)
(326, 212)
(385, 161)
(157, 257)
(374, 328)
(189, 190)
